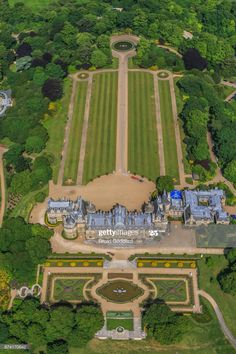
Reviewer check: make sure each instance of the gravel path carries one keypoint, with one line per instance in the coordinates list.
(84, 131)
(67, 132)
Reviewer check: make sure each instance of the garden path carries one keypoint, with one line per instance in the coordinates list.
(67, 132)
(122, 105)
(84, 131)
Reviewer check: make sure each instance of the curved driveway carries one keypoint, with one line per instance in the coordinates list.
(220, 317)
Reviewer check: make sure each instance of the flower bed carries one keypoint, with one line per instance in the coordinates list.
(83, 262)
(165, 263)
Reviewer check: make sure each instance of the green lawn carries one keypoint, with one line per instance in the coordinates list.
(101, 142)
(142, 132)
(55, 126)
(208, 282)
(171, 161)
(72, 157)
(33, 4)
(170, 290)
(113, 323)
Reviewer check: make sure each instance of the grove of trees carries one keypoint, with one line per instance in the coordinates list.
(227, 277)
(38, 50)
(55, 328)
(22, 247)
(164, 325)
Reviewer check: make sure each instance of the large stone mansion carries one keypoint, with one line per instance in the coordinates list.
(80, 218)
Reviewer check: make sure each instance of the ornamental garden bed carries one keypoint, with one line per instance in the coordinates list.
(170, 288)
(120, 291)
(166, 263)
(83, 262)
(80, 255)
(70, 287)
(158, 256)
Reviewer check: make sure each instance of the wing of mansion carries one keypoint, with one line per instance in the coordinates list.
(80, 218)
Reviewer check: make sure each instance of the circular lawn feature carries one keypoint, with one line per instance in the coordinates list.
(163, 74)
(120, 291)
(123, 46)
(83, 76)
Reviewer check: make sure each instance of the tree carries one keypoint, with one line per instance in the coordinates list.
(40, 76)
(54, 71)
(14, 158)
(89, 320)
(230, 171)
(227, 280)
(98, 58)
(56, 347)
(193, 60)
(231, 256)
(52, 89)
(164, 325)
(36, 336)
(39, 249)
(21, 182)
(164, 183)
(57, 329)
(41, 231)
(41, 172)
(4, 332)
(34, 144)
(24, 50)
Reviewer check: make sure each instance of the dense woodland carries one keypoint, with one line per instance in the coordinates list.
(37, 51)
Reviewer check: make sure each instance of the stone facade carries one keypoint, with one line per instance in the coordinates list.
(81, 219)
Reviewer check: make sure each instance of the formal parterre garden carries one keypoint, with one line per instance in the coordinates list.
(166, 263)
(72, 287)
(175, 289)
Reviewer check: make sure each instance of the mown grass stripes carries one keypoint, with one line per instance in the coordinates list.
(143, 147)
(101, 141)
(168, 130)
(73, 151)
